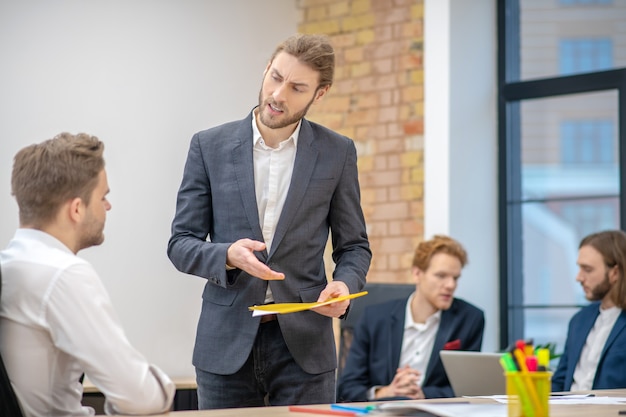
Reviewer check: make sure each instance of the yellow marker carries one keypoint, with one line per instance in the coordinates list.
(530, 386)
(528, 348)
(543, 359)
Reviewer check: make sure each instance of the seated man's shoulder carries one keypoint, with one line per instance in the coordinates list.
(586, 313)
(387, 306)
(381, 312)
(593, 307)
(467, 308)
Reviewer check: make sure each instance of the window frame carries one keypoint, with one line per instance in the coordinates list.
(512, 92)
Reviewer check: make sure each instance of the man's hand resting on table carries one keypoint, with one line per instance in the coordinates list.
(404, 384)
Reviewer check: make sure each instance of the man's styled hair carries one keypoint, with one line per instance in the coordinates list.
(438, 244)
(612, 246)
(315, 51)
(47, 174)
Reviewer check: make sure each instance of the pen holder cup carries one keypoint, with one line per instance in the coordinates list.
(528, 393)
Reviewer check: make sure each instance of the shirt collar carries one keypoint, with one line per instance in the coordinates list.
(256, 133)
(610, 313)
(410, 323)
(41, 236)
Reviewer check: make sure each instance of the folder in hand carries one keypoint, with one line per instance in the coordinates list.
(285, 308)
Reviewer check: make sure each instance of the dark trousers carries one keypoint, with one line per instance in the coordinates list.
(270, 376)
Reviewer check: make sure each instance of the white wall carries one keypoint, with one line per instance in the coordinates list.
(460, 143)
(143, 76)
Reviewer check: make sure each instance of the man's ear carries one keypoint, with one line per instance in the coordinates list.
(321, 92)
(614, 274)
(76, 209)
(417, 274)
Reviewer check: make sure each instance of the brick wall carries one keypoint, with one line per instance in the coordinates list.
(377, 99)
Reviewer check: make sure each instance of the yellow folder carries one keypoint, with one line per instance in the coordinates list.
(284, 308)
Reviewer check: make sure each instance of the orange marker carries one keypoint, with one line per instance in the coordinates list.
(530, 387)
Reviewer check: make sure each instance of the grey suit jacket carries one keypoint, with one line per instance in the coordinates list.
(217, 200)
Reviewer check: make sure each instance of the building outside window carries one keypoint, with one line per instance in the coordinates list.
(585, 55)
(560, 159)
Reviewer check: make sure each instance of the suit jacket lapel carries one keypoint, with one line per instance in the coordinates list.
(395, 341)
(244, 170)
(586, 323)
(306, 156)
(448, 318)
(619, 325)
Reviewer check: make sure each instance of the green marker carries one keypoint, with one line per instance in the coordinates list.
(508, 364)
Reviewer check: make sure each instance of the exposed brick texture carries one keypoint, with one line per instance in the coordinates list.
(377, 100)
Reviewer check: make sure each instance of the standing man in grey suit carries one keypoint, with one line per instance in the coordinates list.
(266, 191)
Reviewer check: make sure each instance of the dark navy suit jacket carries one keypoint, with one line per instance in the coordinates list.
(611, 371)
(374, 354)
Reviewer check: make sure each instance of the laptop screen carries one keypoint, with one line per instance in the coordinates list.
(474, 373)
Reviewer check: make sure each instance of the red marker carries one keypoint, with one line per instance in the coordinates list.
(531, 363)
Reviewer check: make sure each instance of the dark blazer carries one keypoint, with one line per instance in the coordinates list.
(611, 371)
(374, 353)
(217, 200)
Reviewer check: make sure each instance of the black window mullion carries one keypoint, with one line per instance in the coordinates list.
(621, 146)
(509, 178)
(556, 86)
(511, 93)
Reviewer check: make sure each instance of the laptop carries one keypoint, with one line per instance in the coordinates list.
(474, 373)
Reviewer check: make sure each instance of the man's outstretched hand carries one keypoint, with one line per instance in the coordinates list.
(241, 255)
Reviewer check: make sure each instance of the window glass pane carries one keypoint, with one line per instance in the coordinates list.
(587, 141)
(551, 234)
(548, 326)
(569, 146)
(571, 37)
(586, 1)
(569, 188)
(585, 55)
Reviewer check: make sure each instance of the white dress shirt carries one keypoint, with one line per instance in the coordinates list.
(418, 340)
(587, 365)
(56, 323)
(273, 168)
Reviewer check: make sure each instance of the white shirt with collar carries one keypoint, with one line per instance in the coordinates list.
(418, 340)
(56, 323)
(585, 371)
(273, 168)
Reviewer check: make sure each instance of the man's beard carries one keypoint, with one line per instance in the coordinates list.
(92, 235)
(277, 123)
(601, 290)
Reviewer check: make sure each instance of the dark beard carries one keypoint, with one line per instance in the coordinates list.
(601, 290)
(279, 124)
